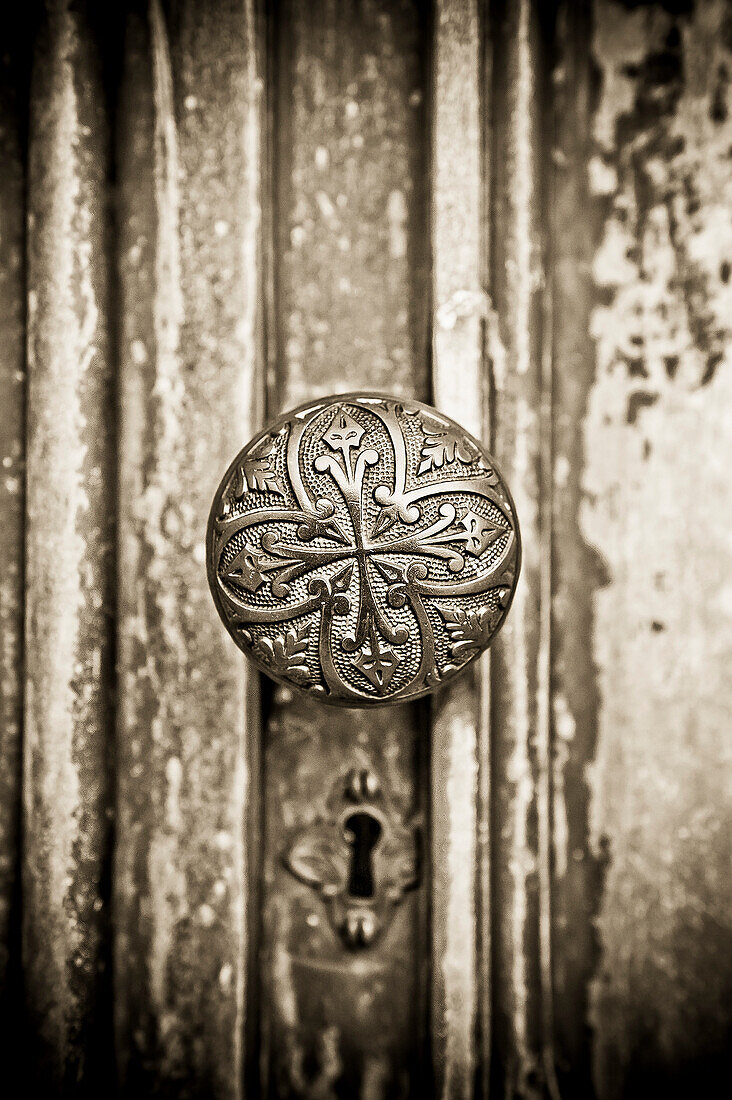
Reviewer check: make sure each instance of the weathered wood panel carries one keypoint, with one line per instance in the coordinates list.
(566, 244)
(189, 155)
(522, 1059)
(69, 564)
(351, 179)
(350, 305)
(460, 988)
(576, 568)
(13, 108)
(656, 502)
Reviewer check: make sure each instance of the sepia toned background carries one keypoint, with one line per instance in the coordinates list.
(211, 210)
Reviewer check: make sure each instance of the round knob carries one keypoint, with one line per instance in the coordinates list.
(363, 549)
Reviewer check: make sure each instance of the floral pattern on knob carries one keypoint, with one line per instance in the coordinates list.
(363, 549)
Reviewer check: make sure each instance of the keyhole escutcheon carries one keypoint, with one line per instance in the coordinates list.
(362, 831)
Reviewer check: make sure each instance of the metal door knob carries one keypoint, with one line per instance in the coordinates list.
(363, 549)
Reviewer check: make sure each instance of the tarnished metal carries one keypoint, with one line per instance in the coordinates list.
(361, 856)
(363, 549)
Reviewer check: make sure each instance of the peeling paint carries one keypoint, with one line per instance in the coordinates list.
(662, 133)
(522, 1049)
(192, 377)
(612, 924)
(656, 482)
(460, 1018)
(454, 798)
(68, 562)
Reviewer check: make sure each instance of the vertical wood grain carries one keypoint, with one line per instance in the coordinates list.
(13, 109)
(69, 565)
(460, 1010)
(523, 1064)
(351, 178)
(350, 281)
(655, 502)
(576, 567)
(189, 161)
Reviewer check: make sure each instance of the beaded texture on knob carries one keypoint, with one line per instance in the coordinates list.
(363, 549)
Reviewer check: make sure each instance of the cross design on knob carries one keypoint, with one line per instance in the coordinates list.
(363, 549)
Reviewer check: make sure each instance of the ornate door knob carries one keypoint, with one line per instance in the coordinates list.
(363, 549)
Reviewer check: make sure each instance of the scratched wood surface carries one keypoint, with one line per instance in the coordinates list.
(69, 560)
(209, 211)
(459, 758)
(520, 757)
(189, 163)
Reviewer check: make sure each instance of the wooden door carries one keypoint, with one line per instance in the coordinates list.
(211, 210)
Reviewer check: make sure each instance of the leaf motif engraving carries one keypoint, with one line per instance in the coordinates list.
(319, 859)
(286, 653)
(470, 630)
(257, 472)
(444, 444)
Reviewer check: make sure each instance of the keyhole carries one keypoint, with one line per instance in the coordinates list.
(362, 832)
